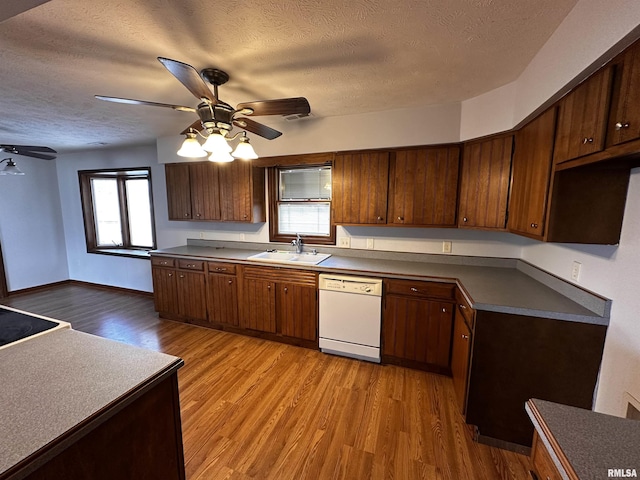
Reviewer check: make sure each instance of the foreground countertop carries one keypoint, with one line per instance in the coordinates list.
(53, 383)
(501, 289)
(585, 444)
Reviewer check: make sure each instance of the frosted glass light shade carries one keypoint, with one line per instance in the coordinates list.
(216, 143)
(244, 150)
(11, 169)
(191, 148)
(220, 157)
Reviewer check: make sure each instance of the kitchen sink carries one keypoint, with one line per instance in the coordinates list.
(283, 256)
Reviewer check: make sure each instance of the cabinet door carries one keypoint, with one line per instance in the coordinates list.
(359, 188)
(258, 305)
(205, 195)
(241, 192)
(192, 295)
(178, 191)
(624, 118)
(297, 307)
(222, 299)
(532, 160)
(461, 352)
(165, 293)
(582, 117)
(484, 183)
(417, 330)
(423, 187)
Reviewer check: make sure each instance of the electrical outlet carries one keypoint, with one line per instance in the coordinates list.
(370, 243)
(345, 242)
(575, 271)
(201, 235)
(446, 247)
(242, 237)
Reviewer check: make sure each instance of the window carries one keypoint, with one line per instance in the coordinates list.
(118, 211)
(300, 203)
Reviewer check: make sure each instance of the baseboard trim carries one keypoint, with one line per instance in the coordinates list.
(99, 286)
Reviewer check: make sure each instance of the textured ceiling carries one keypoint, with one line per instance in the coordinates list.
(345, 56)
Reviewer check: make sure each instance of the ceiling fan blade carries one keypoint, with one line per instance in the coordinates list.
(42, 156)
(197, 125)
(131, 101)
(257, 128)
(283, 106)
(190, 78)
(33, 148)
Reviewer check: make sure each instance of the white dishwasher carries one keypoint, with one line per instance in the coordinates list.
(350, 311)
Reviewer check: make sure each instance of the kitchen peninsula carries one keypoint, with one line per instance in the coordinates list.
(77, 406)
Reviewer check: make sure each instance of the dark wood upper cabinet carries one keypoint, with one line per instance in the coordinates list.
(624, 118)
(484, 183)
(532, 159)
(423, 187)
(359, 188)
(582, 117)
(207, 191)
(178, 191)
(242, 194)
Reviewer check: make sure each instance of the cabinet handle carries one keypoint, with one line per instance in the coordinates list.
(170, 275)
(586, 140)
(268, 287)
(380, 218)
(230, 282)
(401, 219)
(197, 214)
(621, 125)
(218, 269)
(534, 225)
(186, 215)
(286, 289)
(462, 307)
(414, 289)
(164, 263)
(444, 310)
(465, 337)
(181, 276)
(244, 216)
(465, 219)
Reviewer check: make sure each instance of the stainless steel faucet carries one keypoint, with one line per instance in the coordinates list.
(297, 243)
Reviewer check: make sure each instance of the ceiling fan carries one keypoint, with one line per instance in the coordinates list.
(216, 116)
(43, 153)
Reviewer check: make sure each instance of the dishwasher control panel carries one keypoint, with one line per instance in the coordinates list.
(349, 284)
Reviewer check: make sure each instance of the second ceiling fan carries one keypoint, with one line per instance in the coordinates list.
(216, 116)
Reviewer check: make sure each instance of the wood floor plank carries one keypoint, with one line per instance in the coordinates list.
(255, 409)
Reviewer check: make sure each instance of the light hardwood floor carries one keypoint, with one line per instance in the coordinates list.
(254, 409)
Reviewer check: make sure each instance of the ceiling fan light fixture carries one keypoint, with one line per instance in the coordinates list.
(216, 143)
(191, 147)
(11, 168)
(244, 150)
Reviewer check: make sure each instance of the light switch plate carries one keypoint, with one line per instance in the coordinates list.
(446, 247)
(575, 271)
(370, 243)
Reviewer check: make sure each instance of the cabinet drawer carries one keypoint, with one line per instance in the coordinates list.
(465, 308)
(163, 262)
(218, 267)
(191, 265)
(420, 289)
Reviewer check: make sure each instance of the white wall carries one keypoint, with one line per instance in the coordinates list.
(31, 231)
(110, 270)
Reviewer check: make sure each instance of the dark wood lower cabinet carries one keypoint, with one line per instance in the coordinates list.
(516, 358)
(137, 437)
(222, 298)
(258, 305)
(417, 333)
(297, 310)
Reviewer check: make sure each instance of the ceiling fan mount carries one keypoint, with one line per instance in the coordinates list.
(215, 76)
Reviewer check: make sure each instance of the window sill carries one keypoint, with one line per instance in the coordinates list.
(123, 252)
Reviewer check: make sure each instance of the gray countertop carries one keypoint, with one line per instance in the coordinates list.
(492, 288)
(52, 383)
(592, 442)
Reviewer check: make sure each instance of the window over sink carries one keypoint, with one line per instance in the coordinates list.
(117, 207)
(300, 203)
